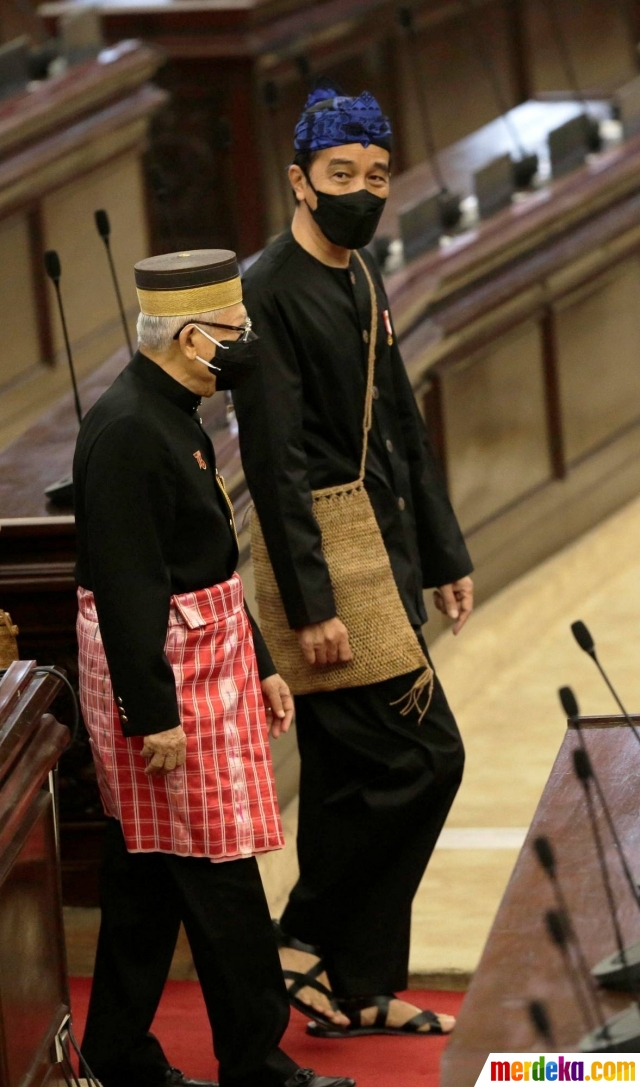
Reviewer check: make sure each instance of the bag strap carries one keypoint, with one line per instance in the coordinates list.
(371, 364)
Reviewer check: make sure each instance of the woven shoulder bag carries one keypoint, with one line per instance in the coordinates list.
(382, 639)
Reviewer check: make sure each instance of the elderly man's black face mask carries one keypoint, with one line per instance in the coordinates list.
(235, 360)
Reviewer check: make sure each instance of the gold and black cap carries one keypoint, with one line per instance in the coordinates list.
(184, 284)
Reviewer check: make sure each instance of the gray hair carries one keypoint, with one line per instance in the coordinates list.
(157, 332)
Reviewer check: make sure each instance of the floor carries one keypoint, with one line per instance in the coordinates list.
(184, 1033)
(501, 676)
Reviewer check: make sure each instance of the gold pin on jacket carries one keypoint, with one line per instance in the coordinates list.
(200, 461)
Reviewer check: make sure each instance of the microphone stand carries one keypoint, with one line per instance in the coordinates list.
(615, 971)
(624, 7)
(585, 775)
(592, 128)
(560, 932)
(579, 975)
(621, 1033)
(570, 707)
(450, 212)
(526, 167)
(61, 493)
(104, 230)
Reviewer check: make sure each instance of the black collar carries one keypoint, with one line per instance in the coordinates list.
(161, 382)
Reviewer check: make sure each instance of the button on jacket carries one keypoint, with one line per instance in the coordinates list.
(151, 522)
(300, 419)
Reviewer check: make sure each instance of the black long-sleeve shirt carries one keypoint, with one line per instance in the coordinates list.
(151, 521)
(300, 419)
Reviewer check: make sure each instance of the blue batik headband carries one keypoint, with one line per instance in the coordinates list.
(331, 120)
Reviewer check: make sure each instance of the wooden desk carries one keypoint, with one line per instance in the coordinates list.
(34, 995)
(519, 964)
(220, 151)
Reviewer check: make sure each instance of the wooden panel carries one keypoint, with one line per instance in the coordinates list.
(34, 997)
(598, 333)
(495, 425)
(550, 518)
(90, 304)
(519, 964)
(18, 321)
(32, 980)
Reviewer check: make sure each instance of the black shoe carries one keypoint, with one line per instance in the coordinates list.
(175, 1078)
(306, 1077)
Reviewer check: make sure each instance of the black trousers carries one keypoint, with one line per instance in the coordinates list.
(144, 897)
(375, 790)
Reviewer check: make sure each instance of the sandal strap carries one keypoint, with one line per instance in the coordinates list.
(304, 981)
(420, 1020)
(382, 1004)
(354, 1006)
(284, 940)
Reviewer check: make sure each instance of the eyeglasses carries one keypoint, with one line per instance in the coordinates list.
(244, 329)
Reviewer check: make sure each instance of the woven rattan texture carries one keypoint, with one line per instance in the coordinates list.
(367, 600)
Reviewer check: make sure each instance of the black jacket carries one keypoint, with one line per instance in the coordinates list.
(151, 522)
(300, 422)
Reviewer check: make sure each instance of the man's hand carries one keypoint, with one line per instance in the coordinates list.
(165, 750)
(325, 643)
(456, 601)
(278, 703)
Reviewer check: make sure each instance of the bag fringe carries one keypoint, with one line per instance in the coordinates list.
(411, 700)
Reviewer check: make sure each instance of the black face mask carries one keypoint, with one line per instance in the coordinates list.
(234, 361)
(349, 220)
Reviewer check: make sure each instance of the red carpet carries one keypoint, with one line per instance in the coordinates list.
(183, 1028)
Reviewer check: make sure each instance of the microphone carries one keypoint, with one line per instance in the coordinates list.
(526, 166)
(450, 211)
(592, 127)
(584, 639)
(541, 1022)
(104, 230)
(61, 493)
(579, 975)
(620, 970)
(560, 933)
(585, 775)
(621, 1033)
(53, 269)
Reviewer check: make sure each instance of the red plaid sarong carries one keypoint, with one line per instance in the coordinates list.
(222, 803)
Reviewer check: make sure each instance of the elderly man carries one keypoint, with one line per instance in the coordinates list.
(376, 783)
(174, 682)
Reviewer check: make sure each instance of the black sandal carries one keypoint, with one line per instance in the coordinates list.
(307, 980)
(353, 1010)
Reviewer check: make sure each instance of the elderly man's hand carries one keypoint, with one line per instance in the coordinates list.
(165, 750)
(278, 704)
(325, 643)
(456, 601)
